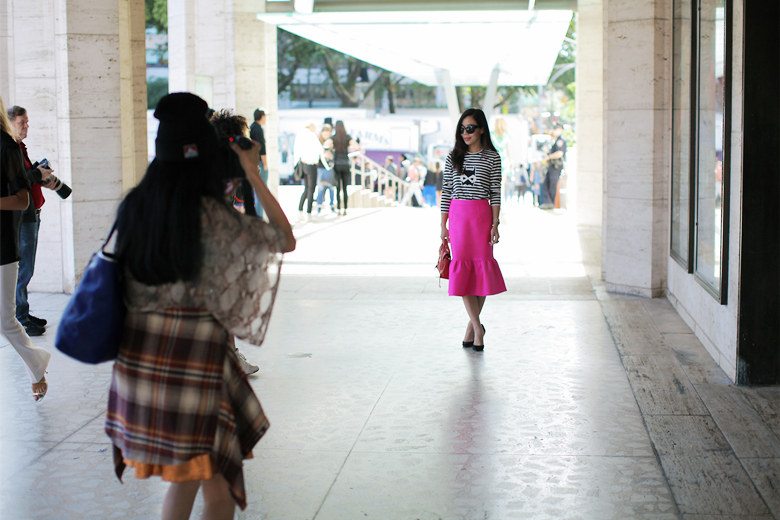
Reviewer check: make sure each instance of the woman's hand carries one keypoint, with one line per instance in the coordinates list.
(249, 159)
(445, 234)
(494, 234)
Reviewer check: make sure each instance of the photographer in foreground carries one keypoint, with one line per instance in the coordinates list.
(197, 273)
(37, 175)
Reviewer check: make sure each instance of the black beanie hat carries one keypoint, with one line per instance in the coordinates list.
(184, 133)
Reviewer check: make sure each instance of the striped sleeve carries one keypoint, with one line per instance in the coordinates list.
(495, 181)
(446, 187)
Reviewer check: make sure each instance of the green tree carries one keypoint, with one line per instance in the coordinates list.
(293, 53)
(344, 71)
(563, 73)
(157, 15)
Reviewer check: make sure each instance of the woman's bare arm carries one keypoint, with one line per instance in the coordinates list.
(250, 161)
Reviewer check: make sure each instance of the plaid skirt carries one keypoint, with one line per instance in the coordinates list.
(180, 406)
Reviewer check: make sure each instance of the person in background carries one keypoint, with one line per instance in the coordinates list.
(342, 145)
(555, 162)
(325, 174)
(229, 124)
(414, 176)
(257, 134)
(429, 185)
(390, 164)
(14, 199)
(37, 176)
(470, 207)
(307, 151)
(196, 274)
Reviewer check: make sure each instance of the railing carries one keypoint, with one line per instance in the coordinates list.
(376, 178)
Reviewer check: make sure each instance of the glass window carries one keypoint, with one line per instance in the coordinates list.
(681, 130)
(710, 153)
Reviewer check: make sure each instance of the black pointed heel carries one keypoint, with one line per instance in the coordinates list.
(480, 348)
(468, 344)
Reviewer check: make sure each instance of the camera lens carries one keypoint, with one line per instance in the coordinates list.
(60, 188)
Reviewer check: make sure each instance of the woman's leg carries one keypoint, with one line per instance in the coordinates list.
(472, 309)
(470, 331)
(218, 503)
(35, 358)
(179, 499)
(303, 195)
(311, 179)
(343, 180)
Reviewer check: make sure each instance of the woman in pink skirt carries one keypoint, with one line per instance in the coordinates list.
(470, 203)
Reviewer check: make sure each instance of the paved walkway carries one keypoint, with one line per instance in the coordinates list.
(377, 412)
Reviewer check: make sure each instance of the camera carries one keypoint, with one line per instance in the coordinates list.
(56, 185)
(244, 143)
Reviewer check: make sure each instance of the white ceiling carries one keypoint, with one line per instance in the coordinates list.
(469, 44)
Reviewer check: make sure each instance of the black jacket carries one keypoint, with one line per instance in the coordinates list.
(12, 180)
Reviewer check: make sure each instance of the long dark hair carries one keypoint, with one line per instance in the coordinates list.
(158, 222)
(458, 153)
(340, 138)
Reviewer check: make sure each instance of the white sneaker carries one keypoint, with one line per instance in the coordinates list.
(246, 366)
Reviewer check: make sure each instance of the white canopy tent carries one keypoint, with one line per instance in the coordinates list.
(447, 48)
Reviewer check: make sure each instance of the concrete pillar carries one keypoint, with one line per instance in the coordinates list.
(492, 90)
(445, 81)
(87, 64)
(181, 46)
(6, 48)
(220, 51)
(637, 156)
(132, 51)
(63, 61)
(587, 183)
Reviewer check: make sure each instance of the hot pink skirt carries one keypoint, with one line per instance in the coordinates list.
(473, 270)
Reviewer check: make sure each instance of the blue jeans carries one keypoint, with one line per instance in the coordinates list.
(321, 194)
(258, 206)
(429, 194)
(28, 247)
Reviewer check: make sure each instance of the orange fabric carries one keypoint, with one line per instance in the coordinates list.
(197, 468)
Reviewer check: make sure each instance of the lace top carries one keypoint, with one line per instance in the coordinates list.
(238, 279)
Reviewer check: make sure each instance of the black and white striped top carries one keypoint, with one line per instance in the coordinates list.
(480, 179)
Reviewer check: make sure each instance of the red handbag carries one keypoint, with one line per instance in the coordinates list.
(443, 264)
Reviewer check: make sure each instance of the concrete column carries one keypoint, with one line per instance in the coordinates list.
(132, 50)
(256, 86)
(87, 63)
(637, 156)
(181, 46)
(6, 48)
(492, 90)
(445, 81)
(220, 51)
(588, 179)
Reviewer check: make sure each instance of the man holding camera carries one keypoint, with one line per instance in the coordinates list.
(37, 175)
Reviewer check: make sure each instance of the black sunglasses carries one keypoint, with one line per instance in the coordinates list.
(469, 129)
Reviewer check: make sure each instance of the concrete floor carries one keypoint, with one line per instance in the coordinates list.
(583, 405)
